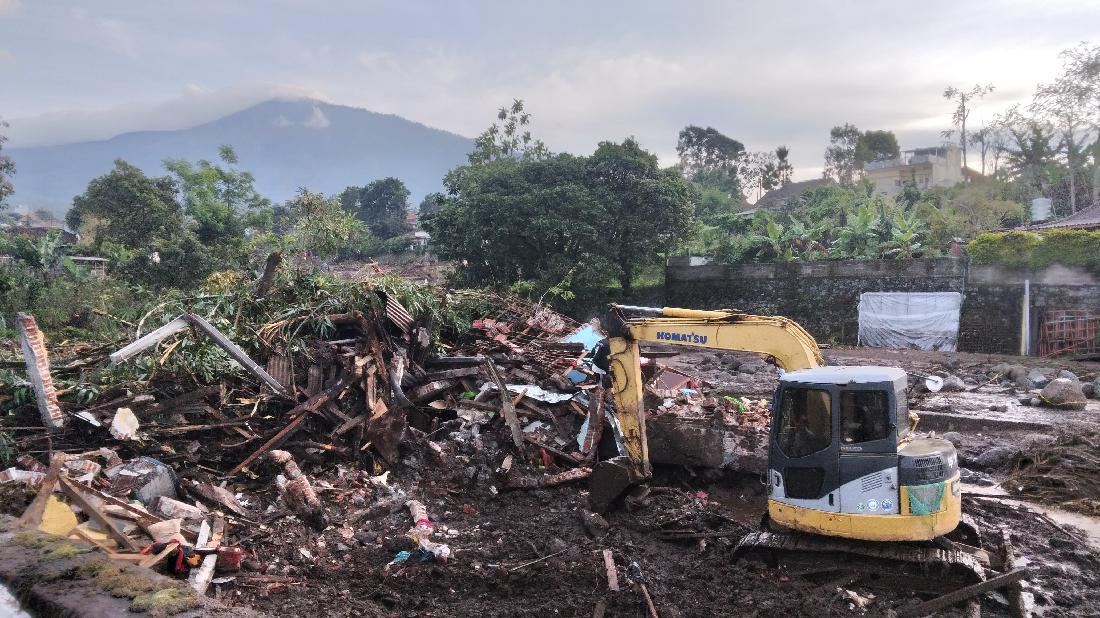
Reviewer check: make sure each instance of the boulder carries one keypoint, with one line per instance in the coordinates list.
(1089, 389)
(1033, 441)
(1063, 393)
(1038, 378)
(996, 457)
(1000, 369)
(1015, 372)
(954, 437)
(1069, 375)
(731, 362)
(1096, 388)
(953, 383)
(1023, 383)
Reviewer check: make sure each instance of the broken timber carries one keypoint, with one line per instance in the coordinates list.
(298, 415)
(962, 594)
(190, 319)
(38, 368)
(509, 409)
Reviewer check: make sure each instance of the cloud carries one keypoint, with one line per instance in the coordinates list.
(6, 56)
(193, 106)
(8, 7)
(316, 120)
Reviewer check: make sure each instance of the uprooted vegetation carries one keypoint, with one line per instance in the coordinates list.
(1065, 473)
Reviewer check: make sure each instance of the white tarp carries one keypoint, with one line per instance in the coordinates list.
(913, 320)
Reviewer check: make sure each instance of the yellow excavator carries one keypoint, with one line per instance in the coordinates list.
(843, 459)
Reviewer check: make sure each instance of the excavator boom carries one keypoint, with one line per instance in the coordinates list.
(781, 338)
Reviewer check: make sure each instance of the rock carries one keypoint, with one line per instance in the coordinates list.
(1096, 388)
(1023, 383)
(950, 361)
(1025, 401)
(1069, 375)
(557, 545)
(1015, 372)
(1000, 369)
(999, 407)
(1064, 394)
(967, 475)
(594, 523)
(996, 457)
(1038, 378)
(1089, 389)
(953, 383)
(954, 437)
(1035, 401)
(749, 369)
(731, 362)
(711, 359)
(1033, 441)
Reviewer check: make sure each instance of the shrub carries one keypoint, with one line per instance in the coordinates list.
(1078, 248)
(1005, 248)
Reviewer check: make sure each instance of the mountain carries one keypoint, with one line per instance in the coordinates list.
(286, 144)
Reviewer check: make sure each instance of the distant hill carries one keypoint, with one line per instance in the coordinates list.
(286, 144)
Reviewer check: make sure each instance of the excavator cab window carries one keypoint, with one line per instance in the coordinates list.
(805, 421)
(864, 416)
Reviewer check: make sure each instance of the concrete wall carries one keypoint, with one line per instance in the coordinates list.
(824, 296)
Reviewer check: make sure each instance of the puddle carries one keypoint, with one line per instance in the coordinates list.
(1089, 525)
(9, 605)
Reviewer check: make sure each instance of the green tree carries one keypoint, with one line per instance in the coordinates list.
(128, 207)
(1030, 158)
(963, 100)
(1081, 80)
(841, 157)
(877, 146)
(712, 159)
(221, 200)
(529, 221)
(381, 205)
(650, 210)
(320, 225)
(431, 204)
(7, 169)
(508, 138)
(783, 168)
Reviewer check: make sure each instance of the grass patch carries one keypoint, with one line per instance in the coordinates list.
(166, 601)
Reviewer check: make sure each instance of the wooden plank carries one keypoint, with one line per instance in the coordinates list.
(612, 571)
(301, 411)
(201, 576)
(93, 512)
(237, 353)
(509, 408)
(150, 340)
(151, 561)
(32, 517)
(962, 594)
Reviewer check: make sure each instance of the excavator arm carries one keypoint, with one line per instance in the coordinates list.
(781, 338)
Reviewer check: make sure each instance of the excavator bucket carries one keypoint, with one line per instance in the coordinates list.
(610, 478)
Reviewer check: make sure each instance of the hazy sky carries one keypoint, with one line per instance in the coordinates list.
(766, 73)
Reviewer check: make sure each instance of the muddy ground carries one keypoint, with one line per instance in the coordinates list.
(533, 553)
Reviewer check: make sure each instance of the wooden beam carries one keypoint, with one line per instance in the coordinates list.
(200, 577)
(962, 594)
(611, 569)
(509, 408)
(32, 517)
(93, 512)
(298, 415)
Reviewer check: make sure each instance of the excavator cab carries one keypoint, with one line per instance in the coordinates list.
(842, 460)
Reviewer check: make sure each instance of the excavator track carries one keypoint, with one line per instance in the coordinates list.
(912, 561)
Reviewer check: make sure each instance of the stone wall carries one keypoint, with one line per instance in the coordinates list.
(824, 296)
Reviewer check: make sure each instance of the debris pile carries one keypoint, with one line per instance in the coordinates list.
(1064, 472)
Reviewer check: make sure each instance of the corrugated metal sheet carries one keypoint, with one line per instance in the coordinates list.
(398, 314)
